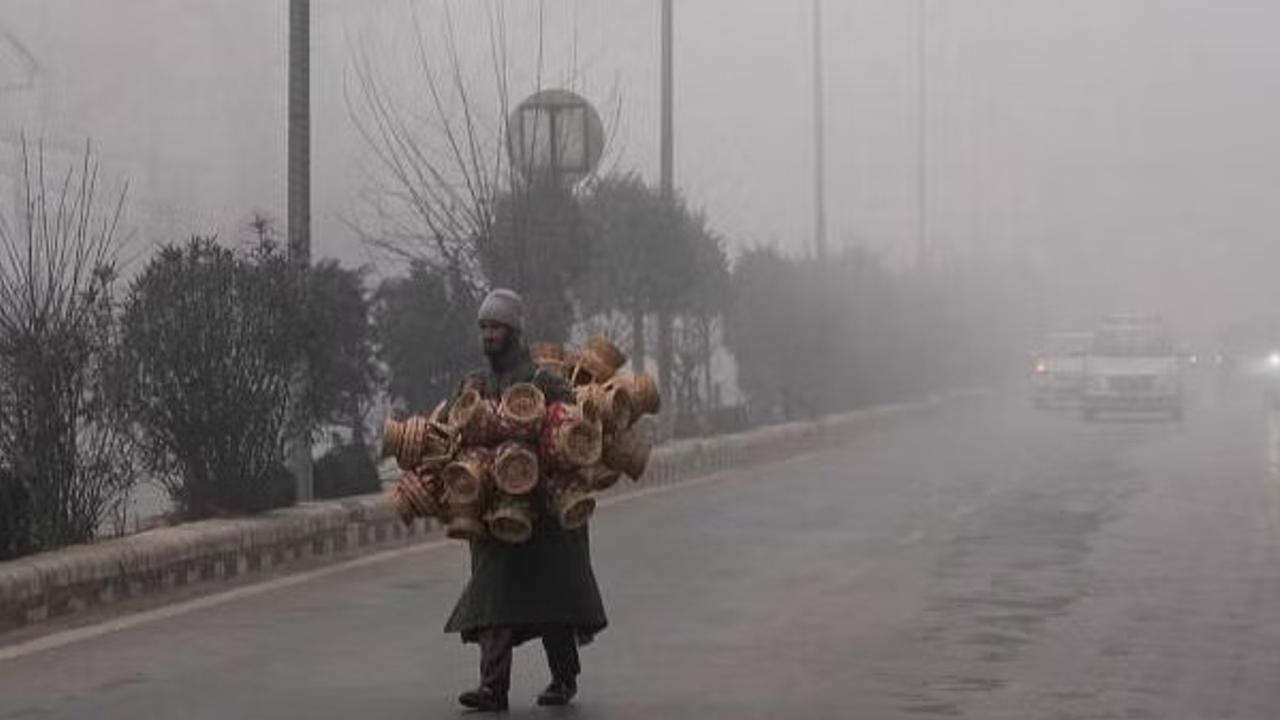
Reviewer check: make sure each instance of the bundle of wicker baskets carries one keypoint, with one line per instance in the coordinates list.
(478, 467)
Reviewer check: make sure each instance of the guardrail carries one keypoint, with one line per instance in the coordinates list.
(209, 553)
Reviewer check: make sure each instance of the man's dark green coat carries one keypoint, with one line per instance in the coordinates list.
(545, 581)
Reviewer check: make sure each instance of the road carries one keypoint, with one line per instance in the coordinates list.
(979, 561)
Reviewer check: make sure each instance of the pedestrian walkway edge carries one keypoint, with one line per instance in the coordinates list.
(208, 555)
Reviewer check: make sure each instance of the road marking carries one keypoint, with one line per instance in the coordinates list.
(911, 539)
(90, 632)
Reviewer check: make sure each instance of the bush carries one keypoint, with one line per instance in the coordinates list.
(346, 470)
(426, 335)
(280, 489)
(15, 517)
(65, 463)
(211, 345)
(339, 346)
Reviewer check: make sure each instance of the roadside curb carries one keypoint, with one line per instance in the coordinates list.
(209, 554)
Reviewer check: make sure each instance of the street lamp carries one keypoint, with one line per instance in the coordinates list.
(819, 140)
(922, 136)
(299, 200)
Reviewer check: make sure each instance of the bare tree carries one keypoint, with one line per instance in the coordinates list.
(64, 446)
(449, 197)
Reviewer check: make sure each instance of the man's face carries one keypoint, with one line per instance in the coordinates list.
(494, 337)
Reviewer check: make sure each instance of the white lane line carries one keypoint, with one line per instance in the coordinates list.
(89, 632)
(912, 538)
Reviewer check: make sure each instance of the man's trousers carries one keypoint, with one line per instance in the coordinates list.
(559, 642)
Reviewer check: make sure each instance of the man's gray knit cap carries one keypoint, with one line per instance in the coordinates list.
(503, 306)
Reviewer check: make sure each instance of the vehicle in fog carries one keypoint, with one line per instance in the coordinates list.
(1271, 379)
(1249, 353)
(1057, 376)
(1244, 348)
(1261, 367)
(1132, 367)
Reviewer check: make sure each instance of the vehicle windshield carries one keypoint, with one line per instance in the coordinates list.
(1067, 345)
(1132, 342)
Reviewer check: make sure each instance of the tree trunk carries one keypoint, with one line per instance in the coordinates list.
(637, 340)
(708, 353)
(666, 350)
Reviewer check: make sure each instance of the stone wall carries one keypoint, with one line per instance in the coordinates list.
(205, 556)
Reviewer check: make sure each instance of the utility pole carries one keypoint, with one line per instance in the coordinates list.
(819, 140)
(300, 215)
(922, 137)
(668, 117)
(667, 187)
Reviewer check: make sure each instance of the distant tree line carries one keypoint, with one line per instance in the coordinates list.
(811, 337)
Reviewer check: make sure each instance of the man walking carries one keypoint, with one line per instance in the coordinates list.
(544, 587)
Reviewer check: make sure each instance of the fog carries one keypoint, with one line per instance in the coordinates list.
(1126, 149)
(1005, 445)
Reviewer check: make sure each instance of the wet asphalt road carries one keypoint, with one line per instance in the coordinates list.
(980, 561)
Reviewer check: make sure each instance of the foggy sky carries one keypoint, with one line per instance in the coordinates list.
(1126, 148)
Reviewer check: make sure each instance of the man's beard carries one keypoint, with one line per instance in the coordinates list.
(498, 348)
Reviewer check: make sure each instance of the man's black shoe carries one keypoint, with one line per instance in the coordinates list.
(483, 699)
(559, 692)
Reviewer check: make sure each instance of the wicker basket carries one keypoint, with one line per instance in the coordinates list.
(522, 411)
(628, 452)
(608, 353)
(550, 357)
(417, 495)
(416, 441)
(589, 368)
(571, 436)
(611, 401)
(562, 370)
(475, 419)
(595, 363)
(643, 390)
(515, 468)
(466, 477)
(401, 505)
(440, 413)
(464, 481)
(545, 351)
(465, 527)
(572, 504)
(600, 477)
(425, 492)
(511, 519)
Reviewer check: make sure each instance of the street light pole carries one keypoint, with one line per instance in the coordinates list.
(667, 188)
(922, 137)
(300, 133)
(299, 200)
(819, 140)
(668, 113)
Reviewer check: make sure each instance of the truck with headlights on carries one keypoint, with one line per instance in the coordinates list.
(1057, 369)
(1132, 367)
